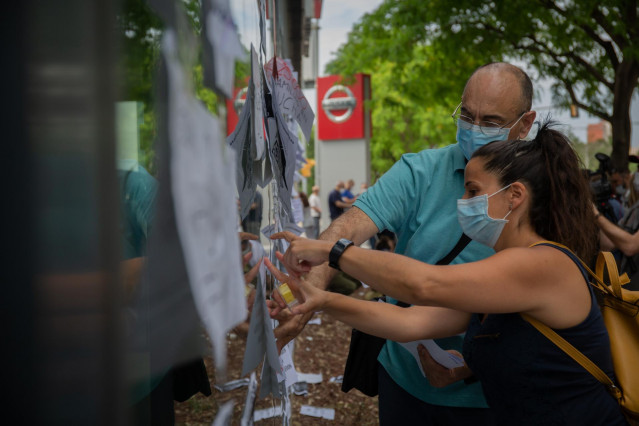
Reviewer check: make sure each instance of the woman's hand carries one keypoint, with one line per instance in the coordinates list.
(438, 375)
(595, 211)
(302, 253)
(310, 298)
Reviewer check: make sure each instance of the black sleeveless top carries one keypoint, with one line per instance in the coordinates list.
(528, 380)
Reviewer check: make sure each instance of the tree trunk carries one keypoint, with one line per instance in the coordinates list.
(626, 79)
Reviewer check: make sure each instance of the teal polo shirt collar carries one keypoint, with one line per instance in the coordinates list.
(459, 160)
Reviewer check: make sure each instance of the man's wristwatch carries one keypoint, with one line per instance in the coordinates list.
(337, 251)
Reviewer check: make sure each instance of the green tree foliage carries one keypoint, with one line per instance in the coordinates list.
(587, 150)
(406, 118)
(590, 47)
(140, 33)
(310, 153)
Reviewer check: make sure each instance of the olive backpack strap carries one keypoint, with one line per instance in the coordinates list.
(562, 343)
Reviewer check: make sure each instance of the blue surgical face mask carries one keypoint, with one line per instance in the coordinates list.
(472, 214)
(470, 137)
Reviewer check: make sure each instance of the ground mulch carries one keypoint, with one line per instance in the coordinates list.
(318, 349)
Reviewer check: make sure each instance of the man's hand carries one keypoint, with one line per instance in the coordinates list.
(354, 225)
(302, 253)
(438, 375)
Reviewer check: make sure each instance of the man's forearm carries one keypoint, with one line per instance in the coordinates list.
(354, 225)
(320, 276)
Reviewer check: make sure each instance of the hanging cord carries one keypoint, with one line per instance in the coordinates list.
(274, 28)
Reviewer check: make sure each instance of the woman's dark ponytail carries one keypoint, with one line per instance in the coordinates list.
(561, 204)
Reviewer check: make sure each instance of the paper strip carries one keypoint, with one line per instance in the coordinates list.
(324, 413)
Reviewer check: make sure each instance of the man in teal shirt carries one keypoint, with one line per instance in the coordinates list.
(417, 200)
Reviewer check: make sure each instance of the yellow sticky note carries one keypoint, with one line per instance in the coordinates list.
(286, 293)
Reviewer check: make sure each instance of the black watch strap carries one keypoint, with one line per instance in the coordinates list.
(337, 251)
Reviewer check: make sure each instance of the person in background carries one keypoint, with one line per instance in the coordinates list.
(336, 205)
(619, 180)
(417, 200)
(314, 203)
(632, 196)
(347, 195)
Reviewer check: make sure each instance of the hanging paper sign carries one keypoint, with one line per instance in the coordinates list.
(288, 373)
(288, 95)
(257, 117)
(240, 141)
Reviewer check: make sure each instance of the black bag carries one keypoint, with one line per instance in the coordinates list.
(361, 367)
(190, 378)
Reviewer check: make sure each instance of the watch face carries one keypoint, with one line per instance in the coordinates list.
(344, 242)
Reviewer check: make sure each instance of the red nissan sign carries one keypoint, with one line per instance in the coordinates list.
(234, 107)
(341, 113)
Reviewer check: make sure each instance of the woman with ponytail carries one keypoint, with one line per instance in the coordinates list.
(519, 196)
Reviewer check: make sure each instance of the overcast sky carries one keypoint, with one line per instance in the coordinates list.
(338, 17)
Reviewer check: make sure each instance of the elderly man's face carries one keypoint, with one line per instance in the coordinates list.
(496, 97)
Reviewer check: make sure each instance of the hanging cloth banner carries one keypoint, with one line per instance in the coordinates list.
(257, 100)
(202, 171)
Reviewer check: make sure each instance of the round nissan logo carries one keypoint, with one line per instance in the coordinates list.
(238, 103)
(346, 104)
